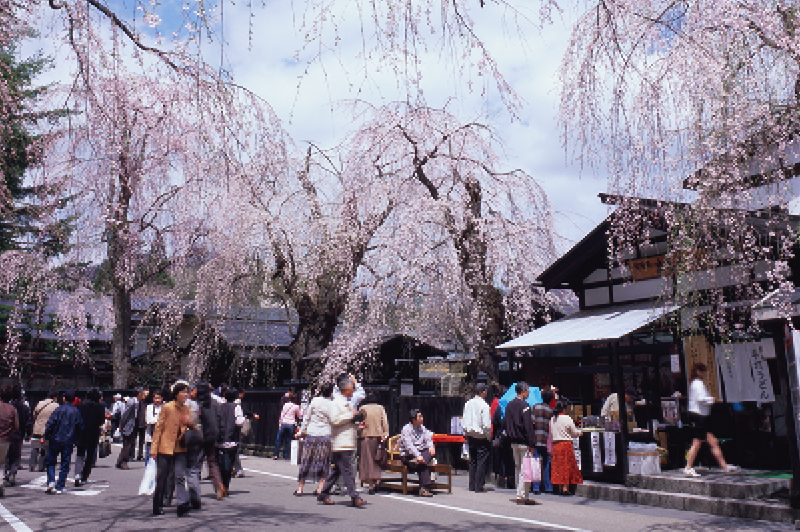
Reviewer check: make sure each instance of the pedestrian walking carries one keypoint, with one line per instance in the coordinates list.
(564, 468)
(93, 415)
(41, 414)
(250, 418)
(344, 422)
(477, 424)
(9, 422)
(417, 450)
(354, 401)
(169, 450)
(519, 427)
(116, 415)
(699, 405)
(210, 417)
(375, 430)
(542, 413)
(315, 432)
(287, 422)
(14, 456)
(502, 455)
(151, 418)
(231, 419)
(63, 430)
(128, 427)
(141, 426)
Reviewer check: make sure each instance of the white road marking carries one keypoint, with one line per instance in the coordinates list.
(270, 474)
(454, 508)
(13, 520)
(486, 514)
(40, 484)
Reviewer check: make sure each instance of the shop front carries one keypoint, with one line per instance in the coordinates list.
(631, 356)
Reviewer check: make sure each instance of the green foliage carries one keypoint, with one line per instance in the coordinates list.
(23, 208)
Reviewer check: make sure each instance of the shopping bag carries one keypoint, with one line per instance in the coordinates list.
(297, 452)
(531, 468)
(105, 448)
(148, 485)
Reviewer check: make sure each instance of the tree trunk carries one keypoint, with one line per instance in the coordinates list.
(491, 323)
(121, 343)
(317, 322)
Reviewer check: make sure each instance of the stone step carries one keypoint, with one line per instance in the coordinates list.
(711, 483)
(722, 506)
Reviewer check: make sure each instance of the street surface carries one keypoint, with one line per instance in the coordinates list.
(264, 501)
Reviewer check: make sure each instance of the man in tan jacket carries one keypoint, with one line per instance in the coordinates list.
(344, 423)
(169, 450)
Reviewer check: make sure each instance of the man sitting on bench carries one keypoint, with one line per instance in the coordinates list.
(417, 450)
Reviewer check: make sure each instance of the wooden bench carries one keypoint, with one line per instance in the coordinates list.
(402, 482)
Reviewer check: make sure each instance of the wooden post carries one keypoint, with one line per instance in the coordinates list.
(623, 413)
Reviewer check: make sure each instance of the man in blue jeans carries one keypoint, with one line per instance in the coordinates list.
(541, 421)
(63, 429)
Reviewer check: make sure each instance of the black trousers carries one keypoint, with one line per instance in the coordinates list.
(420, 468)
(480, 450)
(139, 434)
(342, 465)
(87, 456)
(127, 447)
(226, 457)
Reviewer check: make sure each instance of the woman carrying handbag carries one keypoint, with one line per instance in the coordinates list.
(374, 431)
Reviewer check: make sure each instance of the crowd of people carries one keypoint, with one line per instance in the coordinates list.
(343, 430)
(180, 427)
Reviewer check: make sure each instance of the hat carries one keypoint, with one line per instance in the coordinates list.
(481, 387)
(117, 395)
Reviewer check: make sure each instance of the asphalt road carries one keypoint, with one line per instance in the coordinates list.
(264, 501)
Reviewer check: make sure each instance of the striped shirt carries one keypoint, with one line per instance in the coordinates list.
(541, 421)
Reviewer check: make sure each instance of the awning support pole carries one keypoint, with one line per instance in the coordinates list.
(623, 414)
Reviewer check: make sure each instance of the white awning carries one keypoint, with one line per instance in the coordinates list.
(592, 325)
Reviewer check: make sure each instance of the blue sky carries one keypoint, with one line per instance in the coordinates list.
(311, 105)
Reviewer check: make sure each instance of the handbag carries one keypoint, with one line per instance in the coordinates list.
(192, 438)
(381, 456)
(531, 468)
(105, 448)
(550, 438)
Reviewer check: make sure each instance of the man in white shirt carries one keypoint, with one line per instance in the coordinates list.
(477, 423)
(344, 422)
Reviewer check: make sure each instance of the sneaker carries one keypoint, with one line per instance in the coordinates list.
(731, 468)
(240, 474)
(51, 488)
(691, 472)
(58, 492)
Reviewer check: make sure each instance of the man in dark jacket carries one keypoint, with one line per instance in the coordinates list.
(127, 426)
(14, 456)
(521, 433)
(64, 428)
(9, 422)
(141, 426)
(210, 413)
(94, 416)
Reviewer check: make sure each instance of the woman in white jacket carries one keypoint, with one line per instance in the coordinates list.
(700, 402)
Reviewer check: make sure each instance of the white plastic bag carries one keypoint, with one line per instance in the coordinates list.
(148, 485)
(296, 452)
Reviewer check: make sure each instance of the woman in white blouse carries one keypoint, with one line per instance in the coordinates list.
(316, 432)
(699, 406)
(151, 417)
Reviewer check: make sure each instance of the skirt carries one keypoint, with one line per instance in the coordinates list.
(316, 460)
(368, 468)
(564, 467)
